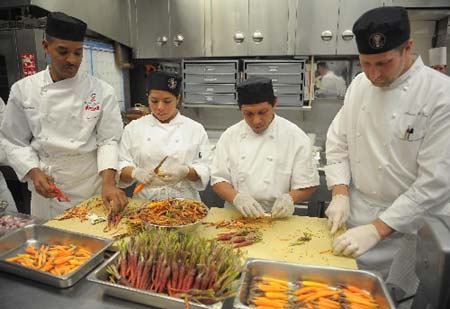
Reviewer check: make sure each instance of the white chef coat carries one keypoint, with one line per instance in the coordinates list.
(265, 165)
(392, 174)
(70, 129)
(146, 141)
(5, 194)
(331, 86)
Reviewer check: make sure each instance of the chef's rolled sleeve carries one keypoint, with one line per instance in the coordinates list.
(337, 170)
(201, 164)
(109, 131)
(220, 170)
(304, 173)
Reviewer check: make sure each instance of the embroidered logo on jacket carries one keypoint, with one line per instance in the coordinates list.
(92, 104)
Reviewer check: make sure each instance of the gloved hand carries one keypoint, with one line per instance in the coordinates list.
(337, 212)
(283, 206)
(172, 171)
(247, 205)
(356, 241)
(143, 175)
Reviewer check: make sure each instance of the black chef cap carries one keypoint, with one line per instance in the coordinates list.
(255, 90)
(381, 29)
(158, 80)
(65, 27)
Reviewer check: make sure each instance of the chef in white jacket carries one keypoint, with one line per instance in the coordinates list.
(438, 58)
(165, 133)
(331, 85)
(263, 164)
(5, 194)
(62, 127)
(388, 150)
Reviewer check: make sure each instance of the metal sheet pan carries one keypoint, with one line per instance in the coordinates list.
(329, 275)
(100, 277)
(16, 242)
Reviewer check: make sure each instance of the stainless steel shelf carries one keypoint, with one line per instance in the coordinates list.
(235, 106)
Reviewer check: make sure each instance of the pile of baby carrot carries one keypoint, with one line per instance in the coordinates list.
(270, 293)
(56, 259)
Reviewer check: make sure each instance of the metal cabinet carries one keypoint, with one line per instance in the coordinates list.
(316, 27)
(151, 29)
(324, 27)
(288, 78)
(349, 12)
(421, 3)
(229, 27)
(251, 27)
(210, 82)
(169, 28)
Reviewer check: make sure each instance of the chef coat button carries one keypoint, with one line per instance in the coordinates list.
(405, 88)
(241, 179)
(358, 134)
(358, 161)
(267, 181)
(379, 167)
(72, 140)
(374, 192)
(270, 159)
(242, 157)
(363, 108)
(243, 135)
(149, 139)
(393, 116)
(384, 144)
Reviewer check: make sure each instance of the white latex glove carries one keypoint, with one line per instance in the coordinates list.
(247, 205)
(283, 206)
(356, 241)
(337, 212)
(172, 171)
(143, 175)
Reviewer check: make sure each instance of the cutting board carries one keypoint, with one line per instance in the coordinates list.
(85, 227)
(276, 243)
(279, 236)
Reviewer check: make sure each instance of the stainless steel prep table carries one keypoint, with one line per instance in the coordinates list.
(16, 292)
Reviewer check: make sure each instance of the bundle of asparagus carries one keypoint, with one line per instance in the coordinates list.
(180, 265)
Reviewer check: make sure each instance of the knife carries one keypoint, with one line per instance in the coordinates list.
(141, 186)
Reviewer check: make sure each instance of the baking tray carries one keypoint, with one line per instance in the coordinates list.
(100, 277)
(35, 220)
(16, 242)
(329, 275)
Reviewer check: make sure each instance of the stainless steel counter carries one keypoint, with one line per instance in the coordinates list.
(16, 293)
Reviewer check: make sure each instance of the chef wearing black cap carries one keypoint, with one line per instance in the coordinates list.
(165, 133)
(264, 162)
(62, 127)
(388, 151)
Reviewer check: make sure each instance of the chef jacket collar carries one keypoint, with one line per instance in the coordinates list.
(415, 67)
(49, 81)
(270, 131)
(177, 120)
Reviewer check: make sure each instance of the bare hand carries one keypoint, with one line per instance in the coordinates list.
(42, 182)
(114, 198)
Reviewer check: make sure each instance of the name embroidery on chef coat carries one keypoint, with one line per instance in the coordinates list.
(92, 104)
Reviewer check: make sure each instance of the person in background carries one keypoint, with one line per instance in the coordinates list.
(331, 85)
(165, 133)
(5, 194)
(438, 59)
(388, 151)
(62, 127)
(263, 163)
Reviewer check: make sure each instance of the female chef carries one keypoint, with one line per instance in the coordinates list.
(147, 141)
